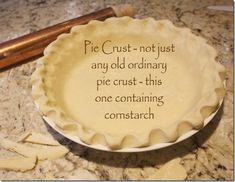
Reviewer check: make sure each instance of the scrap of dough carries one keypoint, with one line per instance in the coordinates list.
(47, 152)
(38, 138)
(172, 170)
(18, 163)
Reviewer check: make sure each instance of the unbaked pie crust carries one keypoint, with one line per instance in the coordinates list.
(64, 88)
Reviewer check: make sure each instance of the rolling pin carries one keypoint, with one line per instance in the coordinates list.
(32, 45)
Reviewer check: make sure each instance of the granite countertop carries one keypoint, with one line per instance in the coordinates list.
(206, 155)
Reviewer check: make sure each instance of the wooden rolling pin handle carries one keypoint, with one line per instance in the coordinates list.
(33, 44)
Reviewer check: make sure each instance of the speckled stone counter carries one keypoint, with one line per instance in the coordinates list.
(206, 155)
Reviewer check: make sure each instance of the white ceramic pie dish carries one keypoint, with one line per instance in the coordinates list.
(76, 139)
(191, 90)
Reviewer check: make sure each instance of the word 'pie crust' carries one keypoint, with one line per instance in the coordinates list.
(65, 84)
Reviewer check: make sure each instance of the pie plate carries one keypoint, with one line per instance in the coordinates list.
(130, 150)
(128, 85)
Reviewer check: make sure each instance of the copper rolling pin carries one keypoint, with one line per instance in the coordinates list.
(32, 45)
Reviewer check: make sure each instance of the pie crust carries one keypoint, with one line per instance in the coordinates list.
(64, 86)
